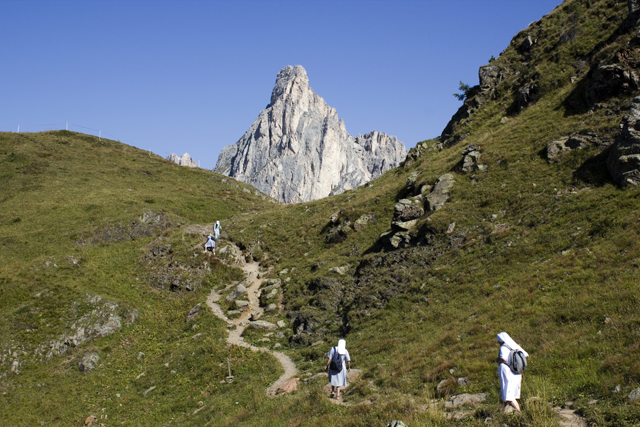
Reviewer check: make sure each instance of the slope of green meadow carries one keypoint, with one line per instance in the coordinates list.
(547, 251)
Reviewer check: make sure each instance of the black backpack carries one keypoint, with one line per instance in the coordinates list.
(336, 361)
(517, 361)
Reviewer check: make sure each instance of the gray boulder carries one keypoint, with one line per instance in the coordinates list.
(408, 209)
(556, 148)
(440, 193)
(608, 81)
(527, 44)
(623, 162)
(239, 290)
(361, 222)
(271, 307)
(634, 5)
(634, 395)
(263, 325)
(465, 399)
(489, 76)
(193, 313)
(527, 96)
(276, 283)
(339, 233)
(298, 149)
(471, 158)
(89, 361)
(241, 303)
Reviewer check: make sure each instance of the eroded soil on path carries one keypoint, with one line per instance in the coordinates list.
(252, 283)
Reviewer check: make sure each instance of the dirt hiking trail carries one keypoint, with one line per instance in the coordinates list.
(252, 283)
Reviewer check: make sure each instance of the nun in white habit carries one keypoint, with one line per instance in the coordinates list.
(338, 379)
(510, 382)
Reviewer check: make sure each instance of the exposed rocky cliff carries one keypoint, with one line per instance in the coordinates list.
(185, 160)
(299, 150)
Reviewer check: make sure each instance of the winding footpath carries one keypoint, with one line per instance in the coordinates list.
(251, 269)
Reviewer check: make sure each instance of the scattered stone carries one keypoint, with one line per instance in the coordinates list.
(608, 81)
(527, 96)
(339, 233)
(193, 313)
(14, 367)
(440, 193)
(283, 272)
(340, 270)
(465, 399)
(241, 303)
(150, 389)
(616, 389)
(399, 239)
(91, 420)
(255, 315)
(263, 325)
(464, 382)
(89, 361)
(239, 290)
(140, 355)
(289, 386)
(271, 307)
(634, 395)
(363, 221)
(451, 227)
(335, 217)
(471, 158)
(443, 386)
(274, 282)
(404, 225)
(408, 209)
(396, 423)
(569, 418)
(281, 323)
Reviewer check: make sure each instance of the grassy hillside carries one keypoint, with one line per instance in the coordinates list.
(546, 250)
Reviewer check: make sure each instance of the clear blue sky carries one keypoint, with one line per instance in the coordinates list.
(191, 76)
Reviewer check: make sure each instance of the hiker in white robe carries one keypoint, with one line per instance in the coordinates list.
(510, 382)
(338, 379)
(210, 245)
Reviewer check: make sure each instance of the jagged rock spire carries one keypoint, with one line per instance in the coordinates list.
(298, 149)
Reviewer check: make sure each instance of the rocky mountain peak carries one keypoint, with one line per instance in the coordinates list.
(298, 149)
(291, 79)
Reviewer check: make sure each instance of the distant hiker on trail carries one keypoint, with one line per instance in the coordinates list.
(217, 229)
(210, 245)
(337, 366)
(510, 381)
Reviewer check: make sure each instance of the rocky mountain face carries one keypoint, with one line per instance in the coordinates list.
(299, 150)
(185, 160)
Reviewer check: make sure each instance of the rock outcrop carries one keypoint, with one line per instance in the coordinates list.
(185, 160)
(624, 158)
(299, 150)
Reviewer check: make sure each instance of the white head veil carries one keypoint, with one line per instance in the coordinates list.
(342, 347)
(504, 338)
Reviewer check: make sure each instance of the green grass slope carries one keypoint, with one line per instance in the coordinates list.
(72, 239)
